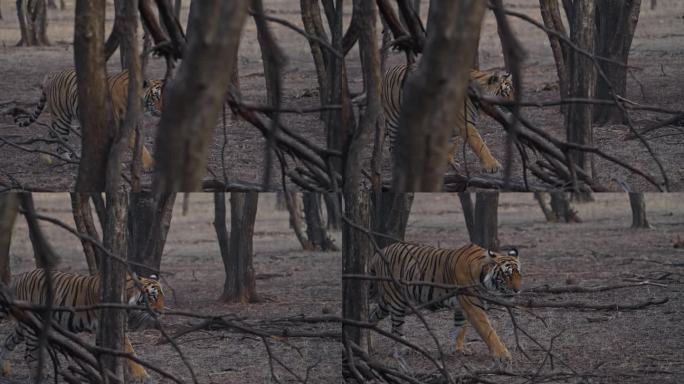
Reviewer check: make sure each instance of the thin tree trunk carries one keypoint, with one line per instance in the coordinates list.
(636, 201)
(149, 219)
(486, 220)
(42, 251)
(315, 230)
(313, 25)
(177, 6)
(333, 202)
(560, 205)
(93, 95)
(83, 218)
(296, 222)
(390, 216)
(32, 15)
(551, 16)
(468, 213)
(9, 206)
(240, 285)
(549, 214)
(431, 92)
(582, 82)
(193, 101)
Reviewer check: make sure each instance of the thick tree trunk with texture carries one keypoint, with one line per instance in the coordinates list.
(616, 22)
(9, 206)
(240, 286)
(438, 84)
(32, 16)
(390, 216)
(636, 201)
(193, 101)
(149, 219)
(315, 229)
(93, 95)
(83, 217)
(486, 221)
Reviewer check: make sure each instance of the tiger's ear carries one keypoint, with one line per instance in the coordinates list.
(154, 277)
(513, 252)
(491, 254)
(146, 84)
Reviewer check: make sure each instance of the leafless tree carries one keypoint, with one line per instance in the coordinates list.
(149, 219)
(431, 92)
(615, 26)
(192, 102)
(486, 222)
(32, 16)
(237, 256)
(315, 229)
(9, 206)
(559, 208)
(638, 205)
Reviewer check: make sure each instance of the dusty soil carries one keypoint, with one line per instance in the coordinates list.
(641, 346)
(656, 56)
(291, 282)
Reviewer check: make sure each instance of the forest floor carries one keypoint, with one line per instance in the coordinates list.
(290, 282)
(613, 346)
(656, 59)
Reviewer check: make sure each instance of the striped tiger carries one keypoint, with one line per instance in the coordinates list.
(471, 266)
(60, 94)
(492, 83)
(75, 291)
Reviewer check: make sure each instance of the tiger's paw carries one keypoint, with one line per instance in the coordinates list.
(503, 362)
(141, 380)
(6, 368)
(492, 166)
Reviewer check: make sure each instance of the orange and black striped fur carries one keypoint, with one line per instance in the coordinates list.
(60, 94)
(490, 82)
(471, 267)
(72, 290)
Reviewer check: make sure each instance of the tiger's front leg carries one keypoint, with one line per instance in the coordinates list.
(489, 163)
(147, 160)
(477, 317)
(138, 374)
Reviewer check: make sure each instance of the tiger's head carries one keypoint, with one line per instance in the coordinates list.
(502, 272)
(494, 83)
(152, 96)
(150, 289)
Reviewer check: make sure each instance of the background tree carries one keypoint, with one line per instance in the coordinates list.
(53, 5)
(486, 221)
(439, 83)
(240, 286)
(616, 22)
(315, 229)
(42, 251)
(559, 209)
(193, 101)
(638, 205)
(149, 220)
(83, 218)
(33, 23)
(9, 206)
(390, 213)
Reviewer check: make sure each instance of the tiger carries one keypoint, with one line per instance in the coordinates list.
(77, 291)
(471, 267)
(60, 93)
(492, 83)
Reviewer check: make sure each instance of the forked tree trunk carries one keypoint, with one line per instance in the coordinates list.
(9, 206)
(315, 229)
(240, 285)
(636, 201)
(390, 216)
(431, 92)
(149, 219)
(193, 101)
(486, 221)
(83, 217)
(616, 22)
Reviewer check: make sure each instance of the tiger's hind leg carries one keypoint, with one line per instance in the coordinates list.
(147, 160)
(489, 163)
(138, 374)
(457, 334)
(11, 341)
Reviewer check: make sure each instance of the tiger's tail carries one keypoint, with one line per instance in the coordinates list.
(35, 114)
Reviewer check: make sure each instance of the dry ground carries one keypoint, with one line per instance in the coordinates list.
(656, 56)
(290, 281)
(602, 250)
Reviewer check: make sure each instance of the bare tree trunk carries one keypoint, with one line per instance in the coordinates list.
(83, 218)
(468, 213)
(177, 6)
(390, 216)
(582, 82)
(42, 250)
(636, 201)
(9, 206)
(149, 219)
(551, 15)
(113, 274)
(296, 222)
(431, 92)
(333, 204)
(654, 4)
(32, 16)
(193, 101)
(240, 286)
(93, 95)
(315, 230)
(313, 25)
(616, 22)
(486, 220)
(357, 249)
(560, 205)
(549, 214)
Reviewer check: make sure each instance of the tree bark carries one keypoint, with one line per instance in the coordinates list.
(315, 230)
(562, 209)
(486, 220)
(83, 218)
(296, 223)
(431, 92)
(9, 206)
(149, 219)
(32, 16)
(582, 81)
(390, 216)
(313, 25)
(468, 213)
(549, 214)
(193, 101)
(333, 202)
(42, 251)
(551, 16)
(113, 274)
(636, 201)
(93, 96)
(616, 22)
(240, 285)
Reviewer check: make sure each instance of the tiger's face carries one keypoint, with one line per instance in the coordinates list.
(152, 95)
(504, 275)
(500, 85)
(151, 289)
